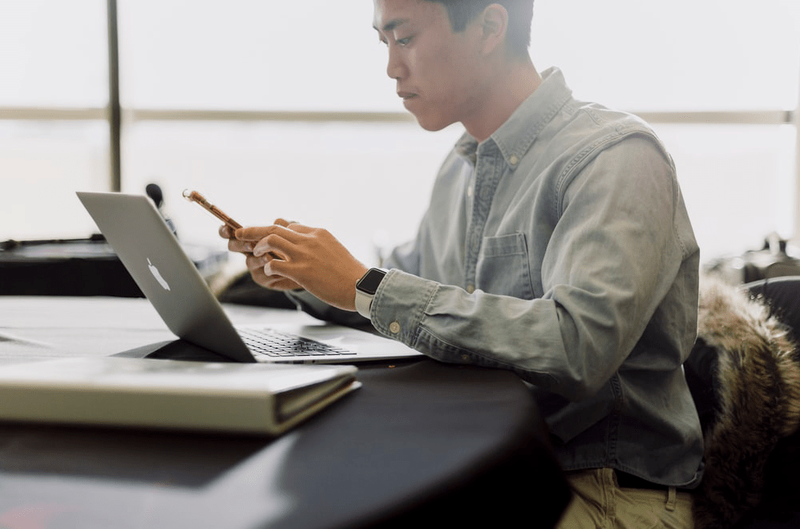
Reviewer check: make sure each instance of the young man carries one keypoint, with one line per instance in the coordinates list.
(556, 245)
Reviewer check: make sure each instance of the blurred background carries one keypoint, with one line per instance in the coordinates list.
(284, 109)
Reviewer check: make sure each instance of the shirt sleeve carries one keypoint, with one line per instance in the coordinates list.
(613, 255)
(405, 257)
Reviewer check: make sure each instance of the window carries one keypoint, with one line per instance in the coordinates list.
(256, 103)
(313, 55)
(681, 55)
(717, 79)
(53, 128)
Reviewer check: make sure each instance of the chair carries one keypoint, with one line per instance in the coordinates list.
(745, 377)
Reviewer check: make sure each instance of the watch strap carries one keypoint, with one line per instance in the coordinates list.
(363, 303)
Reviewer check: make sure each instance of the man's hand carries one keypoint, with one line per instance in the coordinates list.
(286, 256)
(256, 264)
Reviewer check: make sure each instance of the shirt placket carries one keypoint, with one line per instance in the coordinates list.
(488, 170)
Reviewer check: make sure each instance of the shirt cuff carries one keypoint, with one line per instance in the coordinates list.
(399, 305)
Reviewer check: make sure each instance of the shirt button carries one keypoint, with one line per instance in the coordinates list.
(470, 289)
(394, 327)
(513, 160)
(470, 191)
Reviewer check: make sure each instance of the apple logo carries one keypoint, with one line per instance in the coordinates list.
(157, 275)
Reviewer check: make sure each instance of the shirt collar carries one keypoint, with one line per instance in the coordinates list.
(517, 134)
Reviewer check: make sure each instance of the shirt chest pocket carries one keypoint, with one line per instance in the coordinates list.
(503, 266)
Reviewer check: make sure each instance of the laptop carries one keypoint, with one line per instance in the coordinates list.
(151, 253)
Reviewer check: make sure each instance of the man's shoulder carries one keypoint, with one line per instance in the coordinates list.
(597, 120)
(582, 130)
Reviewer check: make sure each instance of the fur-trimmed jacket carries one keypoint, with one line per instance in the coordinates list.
(745, 378)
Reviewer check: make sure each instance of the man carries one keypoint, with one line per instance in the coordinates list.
(556, 245)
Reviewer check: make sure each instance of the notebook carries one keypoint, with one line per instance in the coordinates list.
(153, 256)
(266, 399)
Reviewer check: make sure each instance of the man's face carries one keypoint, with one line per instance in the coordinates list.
(437, 70)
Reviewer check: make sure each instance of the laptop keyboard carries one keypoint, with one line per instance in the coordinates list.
(277, 344)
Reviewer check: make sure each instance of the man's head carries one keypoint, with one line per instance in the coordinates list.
(520, 14)
(452, 61)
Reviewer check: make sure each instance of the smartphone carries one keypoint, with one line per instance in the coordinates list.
(194, 196)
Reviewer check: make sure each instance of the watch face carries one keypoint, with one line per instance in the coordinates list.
(369, 283)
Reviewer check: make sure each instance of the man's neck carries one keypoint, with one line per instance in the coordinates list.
(513, 85)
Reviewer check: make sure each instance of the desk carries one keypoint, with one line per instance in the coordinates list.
(419, 441)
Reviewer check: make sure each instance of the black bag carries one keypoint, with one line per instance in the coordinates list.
(79, 267)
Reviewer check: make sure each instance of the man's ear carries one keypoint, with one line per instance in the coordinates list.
(494, 23)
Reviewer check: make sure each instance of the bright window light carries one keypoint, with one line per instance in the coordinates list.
(252, 54)
(53, 53)
(676, 55)
(324, 56)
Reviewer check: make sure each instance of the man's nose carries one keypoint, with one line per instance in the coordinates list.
(395, 68)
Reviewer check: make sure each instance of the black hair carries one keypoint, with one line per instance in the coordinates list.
(520, 15)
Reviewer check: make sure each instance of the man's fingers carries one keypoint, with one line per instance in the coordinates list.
(278, 268)
(281, 242)
(254, 263)
(259, 232)
(252, 233)
(235, 245)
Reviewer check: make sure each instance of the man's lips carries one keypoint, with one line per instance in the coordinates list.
(405, 96)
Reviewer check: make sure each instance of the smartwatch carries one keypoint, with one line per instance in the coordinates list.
(366, 288)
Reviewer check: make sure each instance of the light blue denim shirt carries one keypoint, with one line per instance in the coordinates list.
(560, 248)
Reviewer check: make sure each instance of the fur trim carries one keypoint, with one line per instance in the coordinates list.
(758, 381)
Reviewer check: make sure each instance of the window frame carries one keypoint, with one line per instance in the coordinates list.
(117, 117)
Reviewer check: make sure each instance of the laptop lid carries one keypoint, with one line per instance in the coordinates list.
(168, 278)
(171, 282)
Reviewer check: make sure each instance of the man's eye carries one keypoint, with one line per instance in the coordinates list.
(403, 41)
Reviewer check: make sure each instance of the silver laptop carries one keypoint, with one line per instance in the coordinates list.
(169, 279)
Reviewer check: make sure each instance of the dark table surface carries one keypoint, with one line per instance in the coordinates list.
(419, 441)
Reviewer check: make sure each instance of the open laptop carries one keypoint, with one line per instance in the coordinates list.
(171, 282)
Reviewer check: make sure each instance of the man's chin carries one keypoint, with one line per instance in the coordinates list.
(432, 124)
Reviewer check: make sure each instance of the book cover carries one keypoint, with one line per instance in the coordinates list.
(251, 398)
